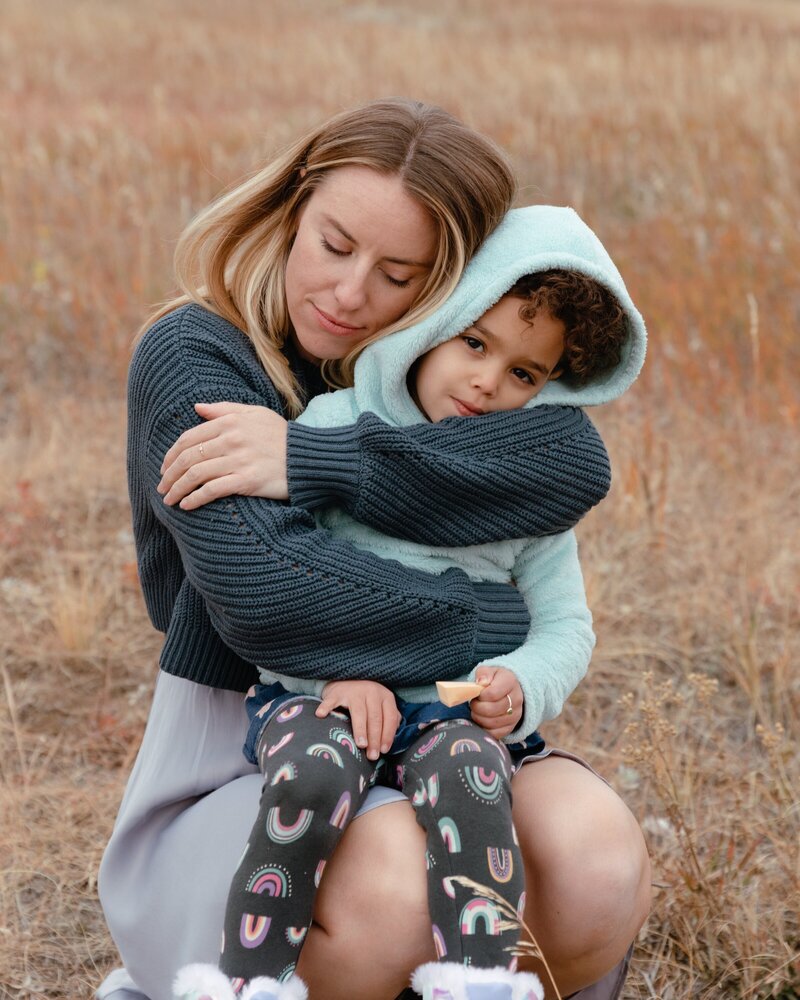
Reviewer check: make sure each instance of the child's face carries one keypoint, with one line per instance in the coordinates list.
(499, 363)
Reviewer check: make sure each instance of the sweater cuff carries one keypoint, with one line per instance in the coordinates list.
(503, 619)
(322, 465)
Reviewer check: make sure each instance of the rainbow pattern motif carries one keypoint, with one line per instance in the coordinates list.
(287, 833)
(501, 863)
(346, 740)
(420, 796)
(464, 746)
(318, 873)
(286, 772)
(286, 972)
(521, 905)
(433, 788)
(447, 885)
(290, 713)
(425, 748)
(296, 935)
(281, 743)
(341, 812)
(450, 835)
(271, 880)
(485, 785)
(253, 930)
(480, 911)
(438, 942)
(326, 752)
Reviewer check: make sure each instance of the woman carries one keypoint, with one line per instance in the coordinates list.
(367, 221)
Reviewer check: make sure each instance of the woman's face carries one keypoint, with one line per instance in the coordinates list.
(363, 251)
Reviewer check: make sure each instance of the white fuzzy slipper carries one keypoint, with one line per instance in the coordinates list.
(202, 982)
(263, 988)
(457, 979)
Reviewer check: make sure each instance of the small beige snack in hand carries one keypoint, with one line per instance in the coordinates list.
(455, 692)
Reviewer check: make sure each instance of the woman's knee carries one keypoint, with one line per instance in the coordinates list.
(581, 844)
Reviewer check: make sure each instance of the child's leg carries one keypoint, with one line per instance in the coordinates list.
(315, 779)
(459, 781)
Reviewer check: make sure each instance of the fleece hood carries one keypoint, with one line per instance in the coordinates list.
(531, 239)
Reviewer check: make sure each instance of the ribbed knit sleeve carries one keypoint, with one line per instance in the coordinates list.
(463, 481)
(279, 591)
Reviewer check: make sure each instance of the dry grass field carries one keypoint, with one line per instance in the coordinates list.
(674, 128)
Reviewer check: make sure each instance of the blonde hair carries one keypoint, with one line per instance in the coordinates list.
(232, 256)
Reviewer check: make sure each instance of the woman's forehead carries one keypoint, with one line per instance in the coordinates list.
(367, 206)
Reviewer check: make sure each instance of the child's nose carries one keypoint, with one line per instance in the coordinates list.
(486, 380)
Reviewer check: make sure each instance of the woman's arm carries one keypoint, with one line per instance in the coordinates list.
(280, 591)
(464, 481)
(554, 658)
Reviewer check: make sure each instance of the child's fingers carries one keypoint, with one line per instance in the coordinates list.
(358, 720)
(374, 713)
(325, 707)
(391, 719)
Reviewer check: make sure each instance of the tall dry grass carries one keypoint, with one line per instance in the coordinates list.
(673, 128)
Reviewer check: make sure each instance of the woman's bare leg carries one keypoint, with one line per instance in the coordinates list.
(371, 925)
(587, 870)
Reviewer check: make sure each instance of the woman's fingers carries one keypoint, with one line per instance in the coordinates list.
(196, 475)
(192, 446)
(250, 439)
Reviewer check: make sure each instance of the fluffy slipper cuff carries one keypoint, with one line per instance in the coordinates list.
(194, 982)
(292, 989)
(456, 978)
(527, 986)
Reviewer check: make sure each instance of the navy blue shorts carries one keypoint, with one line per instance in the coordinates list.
(267, 699)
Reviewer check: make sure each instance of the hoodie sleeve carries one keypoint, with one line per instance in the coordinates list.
(463, 481)
(555, 656)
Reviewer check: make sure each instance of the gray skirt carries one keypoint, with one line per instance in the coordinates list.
(188, 808)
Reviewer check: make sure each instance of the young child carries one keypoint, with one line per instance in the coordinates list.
(540, 315)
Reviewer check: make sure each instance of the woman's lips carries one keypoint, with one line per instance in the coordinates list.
(466, 409)
(333, 325)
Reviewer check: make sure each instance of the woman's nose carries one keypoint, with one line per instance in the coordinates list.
(351, 290)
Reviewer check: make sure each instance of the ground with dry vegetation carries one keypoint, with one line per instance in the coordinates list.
(673, 128)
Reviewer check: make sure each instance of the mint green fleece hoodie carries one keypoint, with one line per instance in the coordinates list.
(556, 653)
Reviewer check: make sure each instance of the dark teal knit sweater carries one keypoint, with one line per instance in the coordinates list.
(246, 581)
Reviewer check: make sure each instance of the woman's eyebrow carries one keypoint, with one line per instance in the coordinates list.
(391, 260)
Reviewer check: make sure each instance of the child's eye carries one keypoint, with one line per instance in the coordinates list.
(332, 249)
(472, 342)
(523, 376)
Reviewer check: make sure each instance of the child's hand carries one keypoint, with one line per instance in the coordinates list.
(490, 710)
(373, 712)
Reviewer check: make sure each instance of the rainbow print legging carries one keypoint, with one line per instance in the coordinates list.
(456, 777)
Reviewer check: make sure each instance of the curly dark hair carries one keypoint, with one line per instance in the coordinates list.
(594, 321)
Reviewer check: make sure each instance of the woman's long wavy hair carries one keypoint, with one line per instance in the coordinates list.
(232, 257)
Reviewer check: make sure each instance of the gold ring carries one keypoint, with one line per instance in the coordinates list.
(510, 709)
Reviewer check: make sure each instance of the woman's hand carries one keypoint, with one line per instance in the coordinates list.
(490, 709)
(238, 450)
(373, 712)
